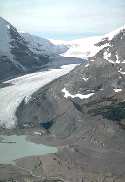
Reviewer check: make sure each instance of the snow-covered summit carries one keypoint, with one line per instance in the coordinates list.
(81, 48)
(87, 47)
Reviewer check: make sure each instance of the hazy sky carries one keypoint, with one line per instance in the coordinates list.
(66, 17)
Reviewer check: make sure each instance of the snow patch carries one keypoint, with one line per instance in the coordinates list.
(27, 98)
(37, 133)
(87, 65)
(107, 55)
(117, 59)
(122, 72)
(117, 90)
(67, 94)
(85, 79)
(8, 26)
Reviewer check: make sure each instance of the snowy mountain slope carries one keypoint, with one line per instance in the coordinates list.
(86, 47)
(81, 48)
(112, 48)
(43, 46)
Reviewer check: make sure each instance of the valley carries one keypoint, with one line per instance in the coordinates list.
(73, 105)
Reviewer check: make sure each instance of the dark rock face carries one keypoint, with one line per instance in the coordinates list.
(43, 46)
(17, 59)
(7, 69)
(23, 55)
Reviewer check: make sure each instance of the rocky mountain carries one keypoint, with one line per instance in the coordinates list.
(84, 112)
(23, 53)
(43, 46)
(102, 76)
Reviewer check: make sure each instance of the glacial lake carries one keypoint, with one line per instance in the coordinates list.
(14, 147)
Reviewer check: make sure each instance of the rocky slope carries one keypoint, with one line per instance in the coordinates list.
(84, 113)
(43, 46)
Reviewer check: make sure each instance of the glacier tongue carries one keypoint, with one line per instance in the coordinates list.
(23, 87)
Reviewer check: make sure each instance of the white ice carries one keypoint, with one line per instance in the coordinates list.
(81, 48)
(67, 94)
(23, 87)
(117, 90)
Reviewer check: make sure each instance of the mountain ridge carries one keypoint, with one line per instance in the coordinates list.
(83, 113)
(21, 54)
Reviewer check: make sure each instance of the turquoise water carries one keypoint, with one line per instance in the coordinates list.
(21, 148)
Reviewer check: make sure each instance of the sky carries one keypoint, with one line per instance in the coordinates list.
(64, 19)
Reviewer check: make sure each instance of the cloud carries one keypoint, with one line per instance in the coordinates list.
(64, 16)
